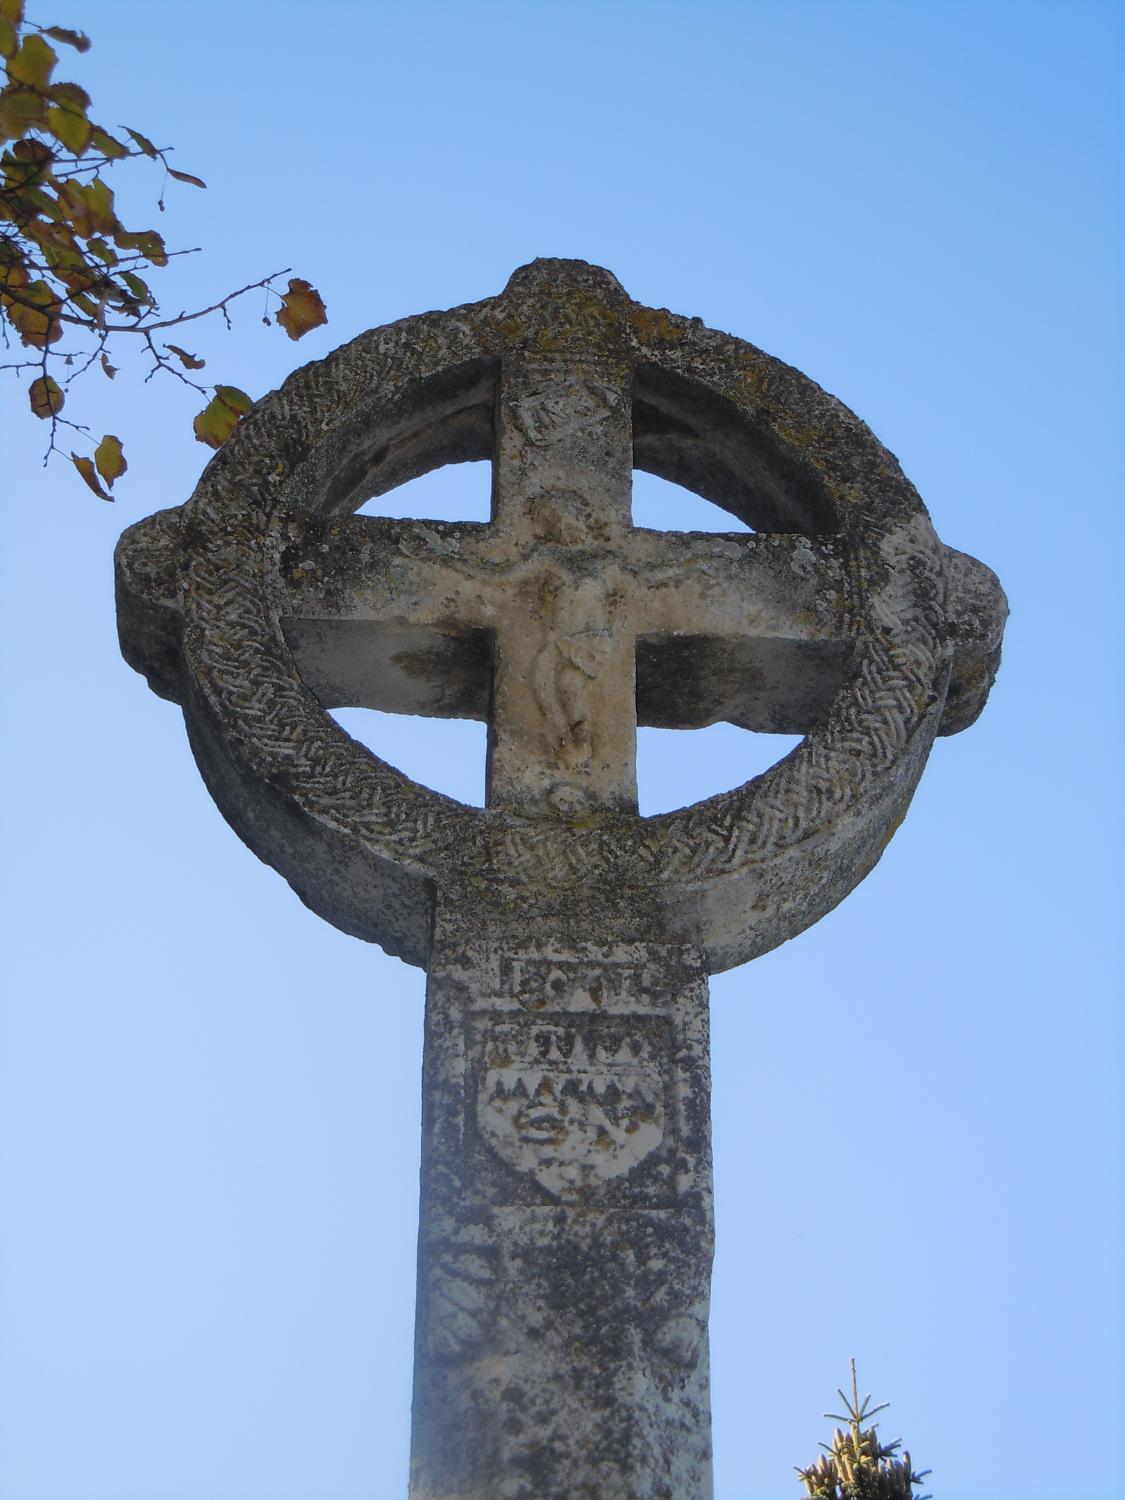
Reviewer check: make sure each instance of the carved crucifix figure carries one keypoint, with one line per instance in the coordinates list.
(566, 1232)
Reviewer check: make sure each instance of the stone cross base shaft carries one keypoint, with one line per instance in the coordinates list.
(566, 1223)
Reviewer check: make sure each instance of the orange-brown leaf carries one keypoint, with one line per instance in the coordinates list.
(186, 177)
(76, 39)
(189, 361)
(110, 370)
(109, 459)
(301, 309)
(46, 397)
(221, 415)
(85, 467)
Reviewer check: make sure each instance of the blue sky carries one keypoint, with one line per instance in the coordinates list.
(209, 1099)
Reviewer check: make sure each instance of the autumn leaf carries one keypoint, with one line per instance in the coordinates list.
(33, 63)
(110, 370)
(46, 397)
(76, 39)
(189, 361)
(7, 37)
(221, 415)
(20, 110)
(146, 241)
(139, 288)
(109, 459)
(186, 177)
(143, 142)
(85, 467)
(107, 145)
(302, 309)
(35, 316)
(69, 127)
(71, 96)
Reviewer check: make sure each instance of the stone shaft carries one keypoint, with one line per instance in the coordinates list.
(566, 1222)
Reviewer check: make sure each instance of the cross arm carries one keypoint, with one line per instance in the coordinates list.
(748, 629)
(378, 613)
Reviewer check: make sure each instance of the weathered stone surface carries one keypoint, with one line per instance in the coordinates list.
(565, 1236)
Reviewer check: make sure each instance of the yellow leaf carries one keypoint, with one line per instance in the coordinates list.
(110, 370)
(71, 128)
(76, 39)
(71, 96)
(89, 207)
(85, 467)
(189, 361)
(146, 242)
(186, 177)
(12, 10)
(302, 309)
(20, 110)
(107, 145)
(221, 416)
(35, 316)
(109, 459)
(33, 63)
(7, 37)
(46, 397)
(142, 141)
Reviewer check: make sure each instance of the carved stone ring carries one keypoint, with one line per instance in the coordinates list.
(265, 601)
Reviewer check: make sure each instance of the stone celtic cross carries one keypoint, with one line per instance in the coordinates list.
(566, 1228)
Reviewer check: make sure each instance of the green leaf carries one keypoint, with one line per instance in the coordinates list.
(143, 142)
(107, 145)
(221, 415)
(71, 128)
(109, 459)
(85, 467)
(46, 397)
(138, 288)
